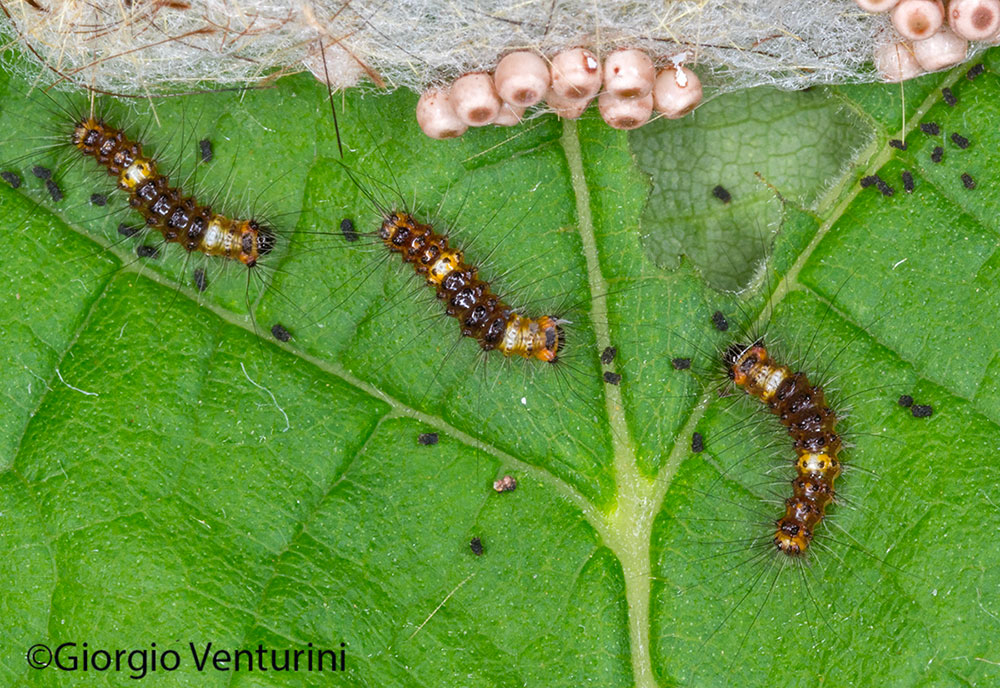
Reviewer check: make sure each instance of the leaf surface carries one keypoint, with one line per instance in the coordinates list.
(171, 474)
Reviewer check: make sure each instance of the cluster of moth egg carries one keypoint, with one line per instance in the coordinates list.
(931, 35)
(628, 84)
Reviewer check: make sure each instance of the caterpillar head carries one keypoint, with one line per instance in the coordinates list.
(550, 339)
(88, 134)
(396, 228)
(739, 359)
(256, 240)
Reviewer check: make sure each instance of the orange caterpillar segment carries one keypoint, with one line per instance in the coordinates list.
(484, 316)
(179, 218)
(802, 409)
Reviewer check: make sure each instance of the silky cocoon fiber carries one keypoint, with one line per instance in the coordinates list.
(176, 45)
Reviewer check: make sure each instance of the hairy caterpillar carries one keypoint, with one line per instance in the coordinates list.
(484, 316)
(802, 409)
(180, 218)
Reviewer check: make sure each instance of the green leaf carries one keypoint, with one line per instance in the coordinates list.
(171, 474)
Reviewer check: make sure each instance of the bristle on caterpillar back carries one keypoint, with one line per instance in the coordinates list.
(802, 409)
(483, 315)
(179, 218)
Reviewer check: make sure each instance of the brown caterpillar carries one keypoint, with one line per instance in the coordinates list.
(178, 217)
(802, 408)
(484, 316)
